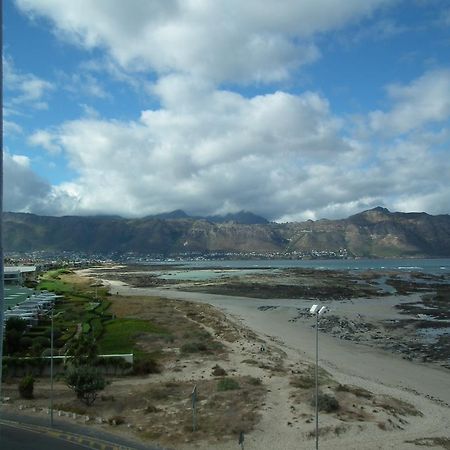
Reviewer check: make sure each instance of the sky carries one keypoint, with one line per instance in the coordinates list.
(290, 109)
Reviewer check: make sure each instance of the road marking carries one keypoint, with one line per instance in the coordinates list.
(83, 441)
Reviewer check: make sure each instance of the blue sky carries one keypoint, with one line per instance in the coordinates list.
(292, 110)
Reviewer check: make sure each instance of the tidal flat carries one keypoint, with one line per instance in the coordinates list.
(403, 312)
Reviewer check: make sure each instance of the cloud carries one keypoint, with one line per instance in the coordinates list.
(44, 139)
(207, 149)
(221, 41)
(23, 89)
(24, 191)
(10, 128)
(84, 83)
(423, 101)
(211, 151)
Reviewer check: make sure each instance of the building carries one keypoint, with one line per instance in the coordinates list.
(19, 274)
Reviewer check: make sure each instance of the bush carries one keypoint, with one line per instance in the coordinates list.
(85, 381)
(255, 381)
(116, 420)
(194, 347)
(26, 386)
(227, 384)
(144, 366)
(326, 402)
(218, 371)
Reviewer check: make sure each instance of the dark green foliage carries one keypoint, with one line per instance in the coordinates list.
(82, 350)
(26, 387)
(227, 384)
(14, 330)
(85, 381)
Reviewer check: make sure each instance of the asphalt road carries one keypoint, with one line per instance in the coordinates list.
(19, 432)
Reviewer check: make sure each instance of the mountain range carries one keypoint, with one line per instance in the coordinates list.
(373, 233)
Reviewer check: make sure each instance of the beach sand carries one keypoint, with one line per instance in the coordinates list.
(425, 386)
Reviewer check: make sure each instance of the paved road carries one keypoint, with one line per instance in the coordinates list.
(33, 433)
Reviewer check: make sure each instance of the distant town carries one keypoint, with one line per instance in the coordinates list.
(49, 259)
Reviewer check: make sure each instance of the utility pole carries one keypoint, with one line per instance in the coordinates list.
(317, 310)
(51, 371)
(2, 270)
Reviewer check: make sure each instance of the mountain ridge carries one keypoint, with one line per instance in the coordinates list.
(372, 233)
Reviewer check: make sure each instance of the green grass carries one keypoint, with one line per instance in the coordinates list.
(120, 335)
(56, 286)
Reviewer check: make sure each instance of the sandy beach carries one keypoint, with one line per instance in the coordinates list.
(267, 346)
(425, 386)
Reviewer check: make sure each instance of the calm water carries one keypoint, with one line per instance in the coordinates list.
(430, 266)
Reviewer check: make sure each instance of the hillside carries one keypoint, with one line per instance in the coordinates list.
(373, 233)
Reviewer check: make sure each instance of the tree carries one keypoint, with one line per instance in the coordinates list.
(14, 330)
(81, 375)
(26, 386)
(82, 350)
(85, 381)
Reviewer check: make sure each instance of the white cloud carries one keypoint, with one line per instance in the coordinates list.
(21, 160)
(24, 89)
(425, 100)
(214, 151)
(84, 83)
(10, 128)
(234, 40)
(209, 150)
(45, 139)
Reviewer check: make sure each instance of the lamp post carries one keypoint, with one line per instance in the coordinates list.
(51, 371)
(317, 310)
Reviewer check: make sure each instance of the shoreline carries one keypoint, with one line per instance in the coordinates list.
(424, 386)
(275, 325)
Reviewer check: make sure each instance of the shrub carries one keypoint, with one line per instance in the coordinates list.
(85, 381)
(359, 392)
(227, 384)
(193, 347)
(116, 420)
(26, 386)
(144, 366)
(218, 371)
(255, 381)
(326, 402)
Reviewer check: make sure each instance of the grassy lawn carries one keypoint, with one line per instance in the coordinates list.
(120, 334)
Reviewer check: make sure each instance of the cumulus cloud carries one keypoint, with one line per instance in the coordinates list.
(207, 149)
(284, 156)
(234, 40)
(24, 191)
(425, 100)
(216, 151)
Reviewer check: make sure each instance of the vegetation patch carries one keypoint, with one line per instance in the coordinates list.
(307, 379)
(120, 335)
(227, 384)
(443, 442)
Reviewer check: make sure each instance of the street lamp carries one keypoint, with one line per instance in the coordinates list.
(51, 371)
(317, 311)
